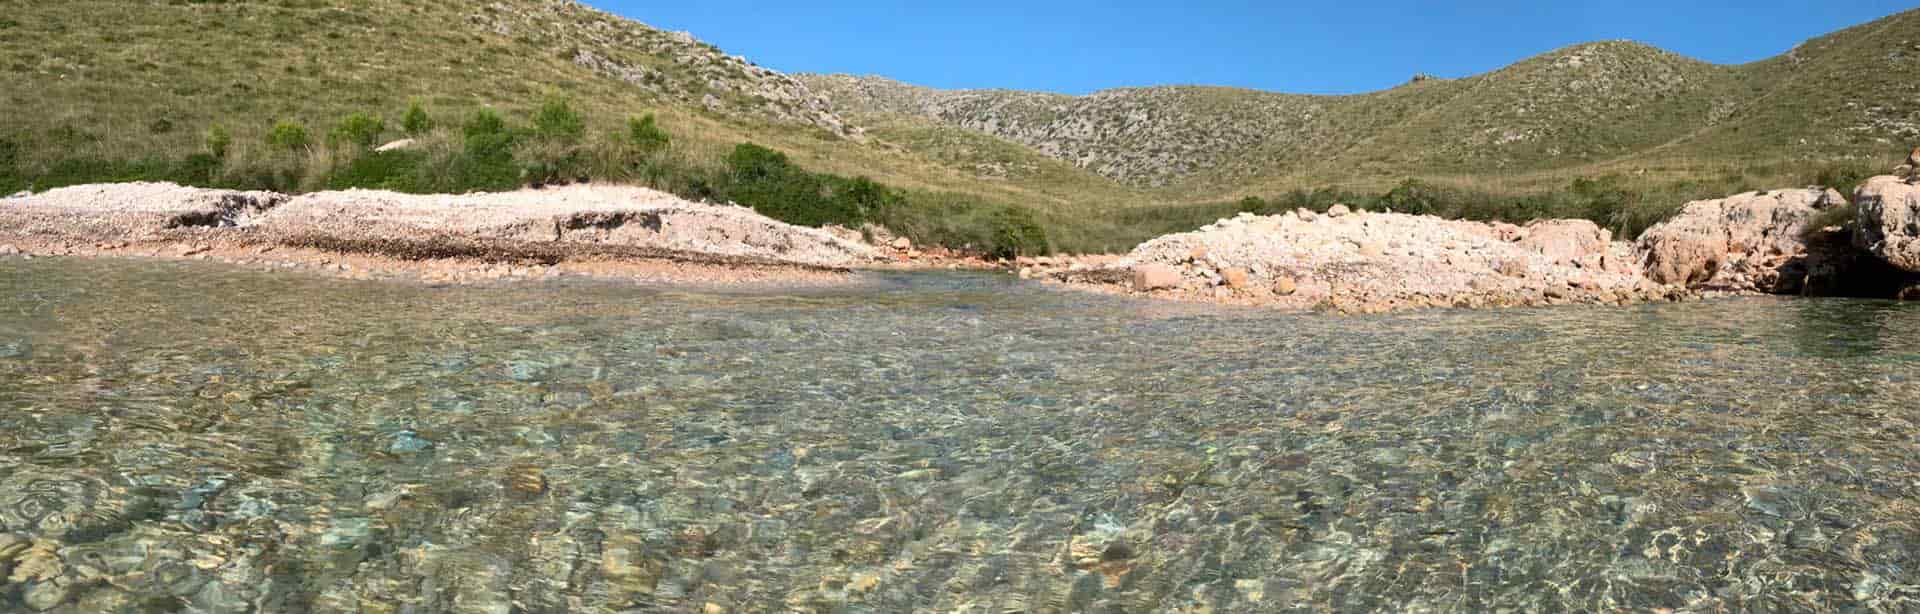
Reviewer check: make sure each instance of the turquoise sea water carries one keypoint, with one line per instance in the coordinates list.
(205, 437)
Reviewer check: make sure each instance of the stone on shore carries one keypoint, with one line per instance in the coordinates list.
(1752, 242)
(1150, 277)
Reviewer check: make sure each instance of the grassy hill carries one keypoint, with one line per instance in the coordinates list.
(1659, 119)
(212, 92)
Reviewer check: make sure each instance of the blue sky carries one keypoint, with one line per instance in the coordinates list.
(1307, 46)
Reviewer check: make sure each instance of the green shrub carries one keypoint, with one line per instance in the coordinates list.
(160, 126)
(1015, 234)
(768, 182)
(1843, 217)
(288, 135)
(557, 121)
(218, 141)
(1603, 200)
(9, 153)
(416, 122)
(360, 130)
(399, 171)
(645, 134)
(551, 163)
(487, 136)
(1843, 177)
(487, 157)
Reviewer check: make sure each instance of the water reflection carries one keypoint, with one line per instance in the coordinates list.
(197, 436)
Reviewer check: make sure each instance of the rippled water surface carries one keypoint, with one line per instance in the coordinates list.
(202, 437)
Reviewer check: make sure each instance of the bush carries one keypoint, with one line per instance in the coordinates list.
(218, 141)
(9, 153)
(359, 130)
(487, 160)
(487, 136)
(765, 180)
(160, 126)
(399, 171)
(645, 135)
(416, 122)
(558, 122)
(1602, 200)
(288, 135)
(1015, 234)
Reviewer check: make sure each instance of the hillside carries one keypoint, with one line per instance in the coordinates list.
(114, 90)
(1599, 106)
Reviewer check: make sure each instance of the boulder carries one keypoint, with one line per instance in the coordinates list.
(402, 144)
(1235, 277)
(1567, 241)
(1285, 286)
(1150, 277)
(1888, 214)
(1752, 242)
(1338, 211)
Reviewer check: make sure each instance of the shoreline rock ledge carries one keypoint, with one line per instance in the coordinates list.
(1753, 242)
(1887, 210)
(1356, 261)
(548, 226)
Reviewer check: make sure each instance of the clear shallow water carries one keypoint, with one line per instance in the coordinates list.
(198, 436)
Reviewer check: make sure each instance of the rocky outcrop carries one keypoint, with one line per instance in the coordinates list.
(1752, 242)
(540, 225)
(1371, 262)
(1887, 214)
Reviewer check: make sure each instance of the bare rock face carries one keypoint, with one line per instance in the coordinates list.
(1888, 214)
(1371, 262)
(1752, 242)
(1575, 242)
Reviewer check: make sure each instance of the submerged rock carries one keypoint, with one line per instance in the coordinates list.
(1752, 242)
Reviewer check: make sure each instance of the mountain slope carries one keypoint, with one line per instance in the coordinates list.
(1851, 94)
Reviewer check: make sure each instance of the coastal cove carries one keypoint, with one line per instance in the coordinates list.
(557, 306)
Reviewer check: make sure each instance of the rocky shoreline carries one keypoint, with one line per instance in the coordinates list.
(602, 231)
(1789, 241)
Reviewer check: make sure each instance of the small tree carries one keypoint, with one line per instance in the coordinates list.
(557, 121)
(359, 129)
(218, 141)
(288, 135)
(416, 122)
(645, 134)
(487, 136)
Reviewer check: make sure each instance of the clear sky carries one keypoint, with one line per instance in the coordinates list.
(1302, 46)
